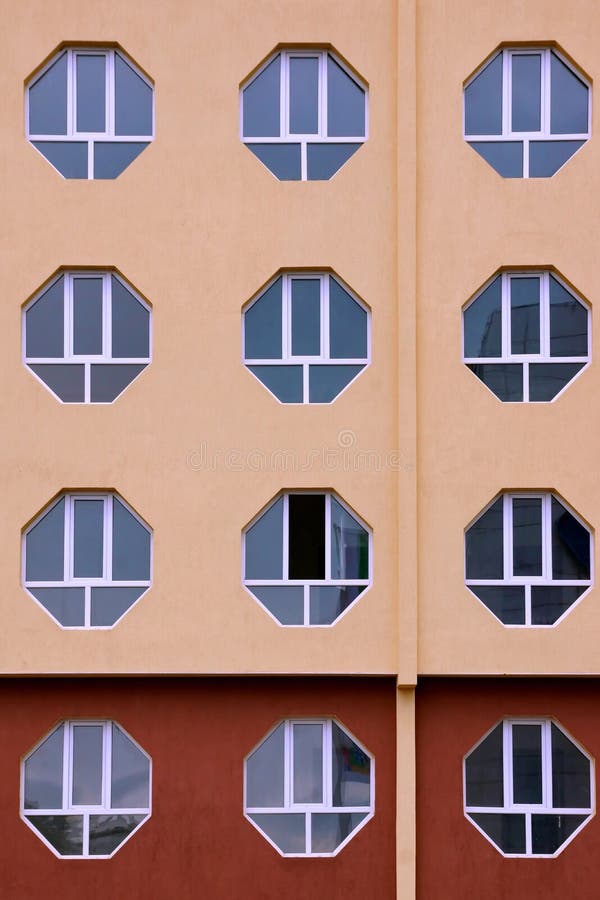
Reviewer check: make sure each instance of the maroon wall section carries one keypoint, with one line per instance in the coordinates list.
(197, 843)
(454, 861)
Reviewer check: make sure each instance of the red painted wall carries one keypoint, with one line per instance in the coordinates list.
(197, 843)
(454, 861)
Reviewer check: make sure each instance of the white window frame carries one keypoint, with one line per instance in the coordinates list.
(290, 807)
(307, 584)
(323, 358)
(86, 583)
(544, 134)
(528, 809)
(87, 360)
(285, 135)
(68, 808)
(73, 135)
(527, 581)
(507, 356)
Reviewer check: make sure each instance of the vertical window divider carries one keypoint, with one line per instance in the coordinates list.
(286, 317)
(71, 92)
(545, 65)
(285, 95)
(306, 602)
(68, 315)
(106, 764)
(86, 834)
(106, 317)
(305, 382)
(328, 537)
(507, 768)
(69, 527)
(288, 768)
(528, 604)
(526, 381)
(528, 840)
(308, 826)
(505, 316)
(547, 536)
(110, 93)
(322, 89)
(108, 537)
(545, 315)
(87, 606)
(325, 343)
(506, 93)
(66, 758)
(328, 763)
(525, 157)
(90, 174)
(546, 765)
(507, 520)
(286, 537)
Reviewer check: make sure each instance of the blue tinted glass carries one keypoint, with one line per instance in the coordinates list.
(87, 316)
(48, 100)
(506, 157)
(261, 103)
(130, 546)
(45, 546)
(67, 605)
(66, 381)
(264, 545)
(283, 160)
(525, 315)
(110, 159)
(527, 763)
(304, 95)
(133, 101)
(283, 381)
(549, 832)
(108, 381)
(570, 773)
(345, 103)
(526, 92)
(483, 323)
(265, 772)
(130, 323)
(546, 380)
(506, 603)
(328, 830)
(484, 544)
(349, 545)
(527, 536)
(505, 380)
(70, 158)
(569, 99)
(44, 324)
(43, 773)
(506, 830)
(324, 160)
(109, 831)
(108, 604)
(262, 325)
(547, 157)
(568, 323)
(88, 543)
(328, 602)
(91, 93)
(326, 382)
(286, 830)
(484, 781)
(285, 602)
(306, 317)
(570, 546)
(483, 100)
(65, 833)
(347, 324)
(130, 773)
(550, 601)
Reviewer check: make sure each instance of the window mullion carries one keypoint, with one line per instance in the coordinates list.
(71, 93)
(106, 316)
(505, 303)
(506, 93)
(288, 768)
(284, 99)
(508, 536)
(547, 536)
(325, 352)
(286, 317)
(323, 95)
(69, 537)
(106, 765)
(547, 765)
(328, 764)
(68, 317)
(110, 94)
(507, 768)
(546, 68)
(67, 780)
(327, 537)
(286, 537)
(107, 538)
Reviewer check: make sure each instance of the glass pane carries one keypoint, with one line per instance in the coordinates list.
(88, 539)
(570, 773)
(569, 99)
(130, 779)
(349, 545)
(324, 160)
(483, 323)
(306, 317)
(130, 324)
(330, 829)
(505, 380)
(286, 830)
(66, 381)
(525, 315)
(110, 159)
(549, 602)
(107, 381)
(527, 763)
(304, 95)
(483, 100)
(326, 382)
(351, 773)
(44, 774)
(548, 833)
(347, 324)
(264, 772)
(328, 602)
(261, 103)
(262, 325)
(506, 603)
(526, 91)
(506, 157)
(91, 93)
(45, 325)
(87, 316)
(527, 535)
(133, 101)
(345, 103)
(130, 546)
(69, 158)
(506, 830)
(67, 605)
(48, 100)
(108, 832)
(568, 323)
(65, 833)
(87, 765)
(546, 380)
(484, 544)
(484, 771)
(283, 160)
(306, 536)
(570, 545)
(45, 546)
(283, 381)
(264, 545)
(110, 603)
(308, 763)
(547, 157)
(285, 602)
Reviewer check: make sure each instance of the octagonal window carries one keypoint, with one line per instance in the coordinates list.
(307, 558)
(526, 335)
(85, 789)
(303, 114)
(86, 336)
(309, 787)
(527, 111)
(87, 559)
(528, 558)
(90, 112)
(306, 337)
(528, 787)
